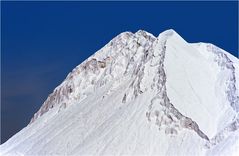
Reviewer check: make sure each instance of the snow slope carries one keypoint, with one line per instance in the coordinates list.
(140, 95)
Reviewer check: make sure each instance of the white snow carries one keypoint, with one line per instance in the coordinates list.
(140, 95)
(196, 86)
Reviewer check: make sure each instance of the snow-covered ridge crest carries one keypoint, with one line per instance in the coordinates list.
(108, 63)
(139, 95)
(126, 54)
(83, 78)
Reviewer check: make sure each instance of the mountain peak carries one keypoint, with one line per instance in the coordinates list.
(168, 32)
(139, 94)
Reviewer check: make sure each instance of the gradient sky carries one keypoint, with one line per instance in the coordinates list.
(41, 42)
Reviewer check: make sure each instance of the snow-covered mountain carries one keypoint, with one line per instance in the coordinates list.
(140, 95)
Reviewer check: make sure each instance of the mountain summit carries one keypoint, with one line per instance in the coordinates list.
(140, 95)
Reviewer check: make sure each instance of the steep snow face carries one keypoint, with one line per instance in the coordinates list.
(140, 95)
(203, 87)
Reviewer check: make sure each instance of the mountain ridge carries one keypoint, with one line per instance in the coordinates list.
(164, 76)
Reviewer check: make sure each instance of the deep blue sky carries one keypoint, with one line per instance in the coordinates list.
(41, 42)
